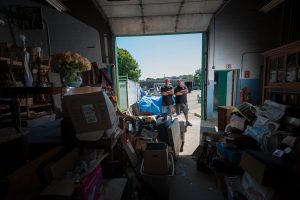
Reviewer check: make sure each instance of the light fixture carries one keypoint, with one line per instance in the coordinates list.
(58, 5)
(272, 4)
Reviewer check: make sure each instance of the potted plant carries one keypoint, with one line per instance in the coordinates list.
(70, 65)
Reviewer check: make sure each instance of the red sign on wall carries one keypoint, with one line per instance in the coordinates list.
(228, 66)
(247, 74)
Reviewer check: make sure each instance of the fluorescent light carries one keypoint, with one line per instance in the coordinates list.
(58, 5)
(272, 4)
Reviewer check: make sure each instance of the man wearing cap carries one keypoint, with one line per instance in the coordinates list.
(167, 101)
(181, 100)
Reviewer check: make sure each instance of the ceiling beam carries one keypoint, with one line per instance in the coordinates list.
(156, 3)
(142, 15)
(145, 16)
(178, 14)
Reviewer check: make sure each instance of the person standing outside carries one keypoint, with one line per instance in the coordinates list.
(167, 93)
(181, 100)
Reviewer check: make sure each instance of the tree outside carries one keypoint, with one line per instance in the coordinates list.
(128, 65)
(197, 77)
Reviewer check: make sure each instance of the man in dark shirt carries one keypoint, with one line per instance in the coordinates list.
(181, 100)
(167, 101)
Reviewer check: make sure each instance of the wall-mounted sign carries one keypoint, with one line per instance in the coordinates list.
(228, 66)
(247, 74)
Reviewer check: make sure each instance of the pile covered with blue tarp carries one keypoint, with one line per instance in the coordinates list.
(150, 104)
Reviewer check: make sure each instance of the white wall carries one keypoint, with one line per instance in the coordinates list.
(66, 32)
(240, 27)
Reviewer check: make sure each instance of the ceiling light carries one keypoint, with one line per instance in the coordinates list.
(58, 5)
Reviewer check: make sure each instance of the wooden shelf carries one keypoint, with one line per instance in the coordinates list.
(38, 105)
(20, 64)
(282, 64)
(288, 85)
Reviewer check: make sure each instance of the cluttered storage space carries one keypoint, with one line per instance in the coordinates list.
(256, 152)
(63, 136)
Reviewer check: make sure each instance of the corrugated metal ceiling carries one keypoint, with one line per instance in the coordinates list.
(141, 17)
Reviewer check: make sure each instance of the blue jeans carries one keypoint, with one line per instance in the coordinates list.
(166, 109)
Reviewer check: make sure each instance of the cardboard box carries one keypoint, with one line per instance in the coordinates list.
(91, 112)
(238, 122)
(67, 185)
(24, 183)
(224, 113)
(141, 144)
(253, 167)
(156, 159)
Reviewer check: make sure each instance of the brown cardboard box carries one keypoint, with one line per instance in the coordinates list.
(24, 183)
(156, 159)
(141, 144)
(63, 184)
(224, 113)
(255, 168)
(91, 112)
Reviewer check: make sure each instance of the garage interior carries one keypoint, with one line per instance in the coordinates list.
(62, 135)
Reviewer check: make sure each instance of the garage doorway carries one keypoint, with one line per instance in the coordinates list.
(170, 69)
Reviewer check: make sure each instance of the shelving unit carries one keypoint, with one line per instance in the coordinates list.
(282, 74)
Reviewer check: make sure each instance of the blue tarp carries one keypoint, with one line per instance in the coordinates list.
(142, 92)
(151, 104)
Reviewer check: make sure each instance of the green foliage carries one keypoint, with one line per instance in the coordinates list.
(128, 65)
(197, 77)
(186, 77)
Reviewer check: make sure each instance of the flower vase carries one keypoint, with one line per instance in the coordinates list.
(73, 81)
(28, 80)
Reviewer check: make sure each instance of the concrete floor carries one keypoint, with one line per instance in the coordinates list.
(192, 136)
(188, 183)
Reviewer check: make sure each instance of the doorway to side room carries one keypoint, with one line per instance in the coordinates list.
(225, 88)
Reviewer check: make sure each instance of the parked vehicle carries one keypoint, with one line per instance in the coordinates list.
(189, 85)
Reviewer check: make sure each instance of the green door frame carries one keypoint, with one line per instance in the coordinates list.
(204, 76)
(117, 70)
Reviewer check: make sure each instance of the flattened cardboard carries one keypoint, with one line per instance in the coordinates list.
(60, 187)
(174, 136)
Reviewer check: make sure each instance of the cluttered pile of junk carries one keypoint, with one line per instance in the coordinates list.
(256, 156)
(104, 154)
(143, 149)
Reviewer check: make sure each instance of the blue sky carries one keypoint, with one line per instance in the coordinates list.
(168, 55)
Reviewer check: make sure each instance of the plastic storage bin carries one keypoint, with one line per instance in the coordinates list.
(158, 185)
(233, 155)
